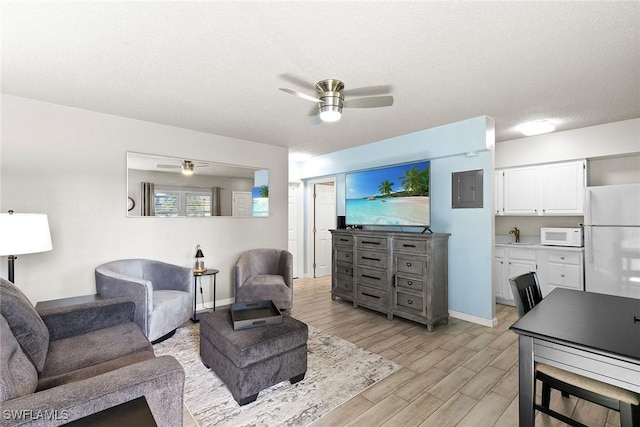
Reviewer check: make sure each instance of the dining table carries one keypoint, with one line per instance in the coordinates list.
(591, 334)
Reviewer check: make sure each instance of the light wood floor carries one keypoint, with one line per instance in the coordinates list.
(461, 374)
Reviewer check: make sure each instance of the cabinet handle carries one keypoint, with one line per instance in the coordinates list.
(347, 270)
(371, 259)
(410, 282)
(366, 242)
(370, 277)
(346, 286)
(346, 255)
(561, 257)
(370, 295)
(393, 281)
(408, 264)
(409, 246)
(409, 301)
(562, 275)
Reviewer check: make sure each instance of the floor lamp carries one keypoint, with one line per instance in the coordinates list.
(26, 233)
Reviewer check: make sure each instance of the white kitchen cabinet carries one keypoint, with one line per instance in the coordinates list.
(553, 189)
(501, 288)
(562, 188)
(521, 191)
(561, 269)
(498, 192)
(511, 262)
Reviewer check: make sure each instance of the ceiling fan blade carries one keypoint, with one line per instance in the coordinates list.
(368, 90)
(300, 94)
(372, 102)
(297, 81)
(168, 166)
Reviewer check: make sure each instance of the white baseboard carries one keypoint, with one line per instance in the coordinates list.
(219, 303)
(491, 323)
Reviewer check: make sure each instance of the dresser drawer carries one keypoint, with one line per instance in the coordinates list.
(563, 257)
(372, 297)
(372, 259)
(344, 269)
(371, 277)
(411, 265)
(410, 246)
(343, 239)
(343, 285)
(414, 285)
(406, 300)
(344, 255)
(365, 242)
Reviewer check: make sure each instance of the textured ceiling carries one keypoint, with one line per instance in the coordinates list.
(216, 66)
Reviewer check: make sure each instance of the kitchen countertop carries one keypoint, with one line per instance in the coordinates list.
(531, 243)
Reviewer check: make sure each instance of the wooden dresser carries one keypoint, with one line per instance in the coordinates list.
(400, 274)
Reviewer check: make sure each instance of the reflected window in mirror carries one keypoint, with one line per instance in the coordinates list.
(174, 187)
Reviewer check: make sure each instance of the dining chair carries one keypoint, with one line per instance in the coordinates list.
(527, 294)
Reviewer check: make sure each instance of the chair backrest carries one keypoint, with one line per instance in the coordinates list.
(526, 291)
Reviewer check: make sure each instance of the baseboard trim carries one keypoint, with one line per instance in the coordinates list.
(491, 323)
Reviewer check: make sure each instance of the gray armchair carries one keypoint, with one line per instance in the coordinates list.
(163, 293)
(265, 274)
(64, 364)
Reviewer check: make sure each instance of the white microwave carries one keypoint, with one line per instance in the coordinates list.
(552, 236)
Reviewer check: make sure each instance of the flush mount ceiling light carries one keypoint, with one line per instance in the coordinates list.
(536, 127)
(187, 168)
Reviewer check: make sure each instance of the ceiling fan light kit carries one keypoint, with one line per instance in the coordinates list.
(187, 168)
(330, 99)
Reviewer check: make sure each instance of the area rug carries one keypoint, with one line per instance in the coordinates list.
(337, 370)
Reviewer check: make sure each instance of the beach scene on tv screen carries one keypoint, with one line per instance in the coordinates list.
(394, 195)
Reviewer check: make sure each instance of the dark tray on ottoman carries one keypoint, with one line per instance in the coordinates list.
(252, 314)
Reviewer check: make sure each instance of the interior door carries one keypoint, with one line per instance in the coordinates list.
(241, 203)
(325, 219)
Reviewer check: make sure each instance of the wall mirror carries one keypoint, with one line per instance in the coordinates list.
(161, 186)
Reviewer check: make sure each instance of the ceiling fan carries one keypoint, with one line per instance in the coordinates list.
(330, 99)
(187, 167)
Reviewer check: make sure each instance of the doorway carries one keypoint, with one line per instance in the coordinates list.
(321, 219)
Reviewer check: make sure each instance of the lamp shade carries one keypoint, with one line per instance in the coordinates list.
(25, 233)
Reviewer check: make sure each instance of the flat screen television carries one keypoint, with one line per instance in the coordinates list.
(396, 195)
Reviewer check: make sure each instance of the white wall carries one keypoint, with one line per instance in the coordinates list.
(607, 140)
(71, 164)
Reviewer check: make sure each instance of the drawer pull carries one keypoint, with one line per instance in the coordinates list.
(346, 286)
(561, 257)
(370, 277)
(347, 270)
(344, 240)
(410, 282)
(367, 242)
(346, 255)
(408, 246)
(370, 295)
(562, 275)
(371, 259)
(409, 301)
(408, 264)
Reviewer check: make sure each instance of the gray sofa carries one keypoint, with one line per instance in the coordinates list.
(265, 274)
(67, 363)
(163, 293)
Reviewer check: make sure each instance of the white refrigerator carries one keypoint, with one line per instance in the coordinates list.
(612, 240)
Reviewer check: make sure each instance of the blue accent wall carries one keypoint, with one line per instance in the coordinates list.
(472, 230)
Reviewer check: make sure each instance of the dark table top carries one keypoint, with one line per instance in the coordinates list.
(600, 323)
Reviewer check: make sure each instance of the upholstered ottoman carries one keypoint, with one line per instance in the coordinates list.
(251, 360)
